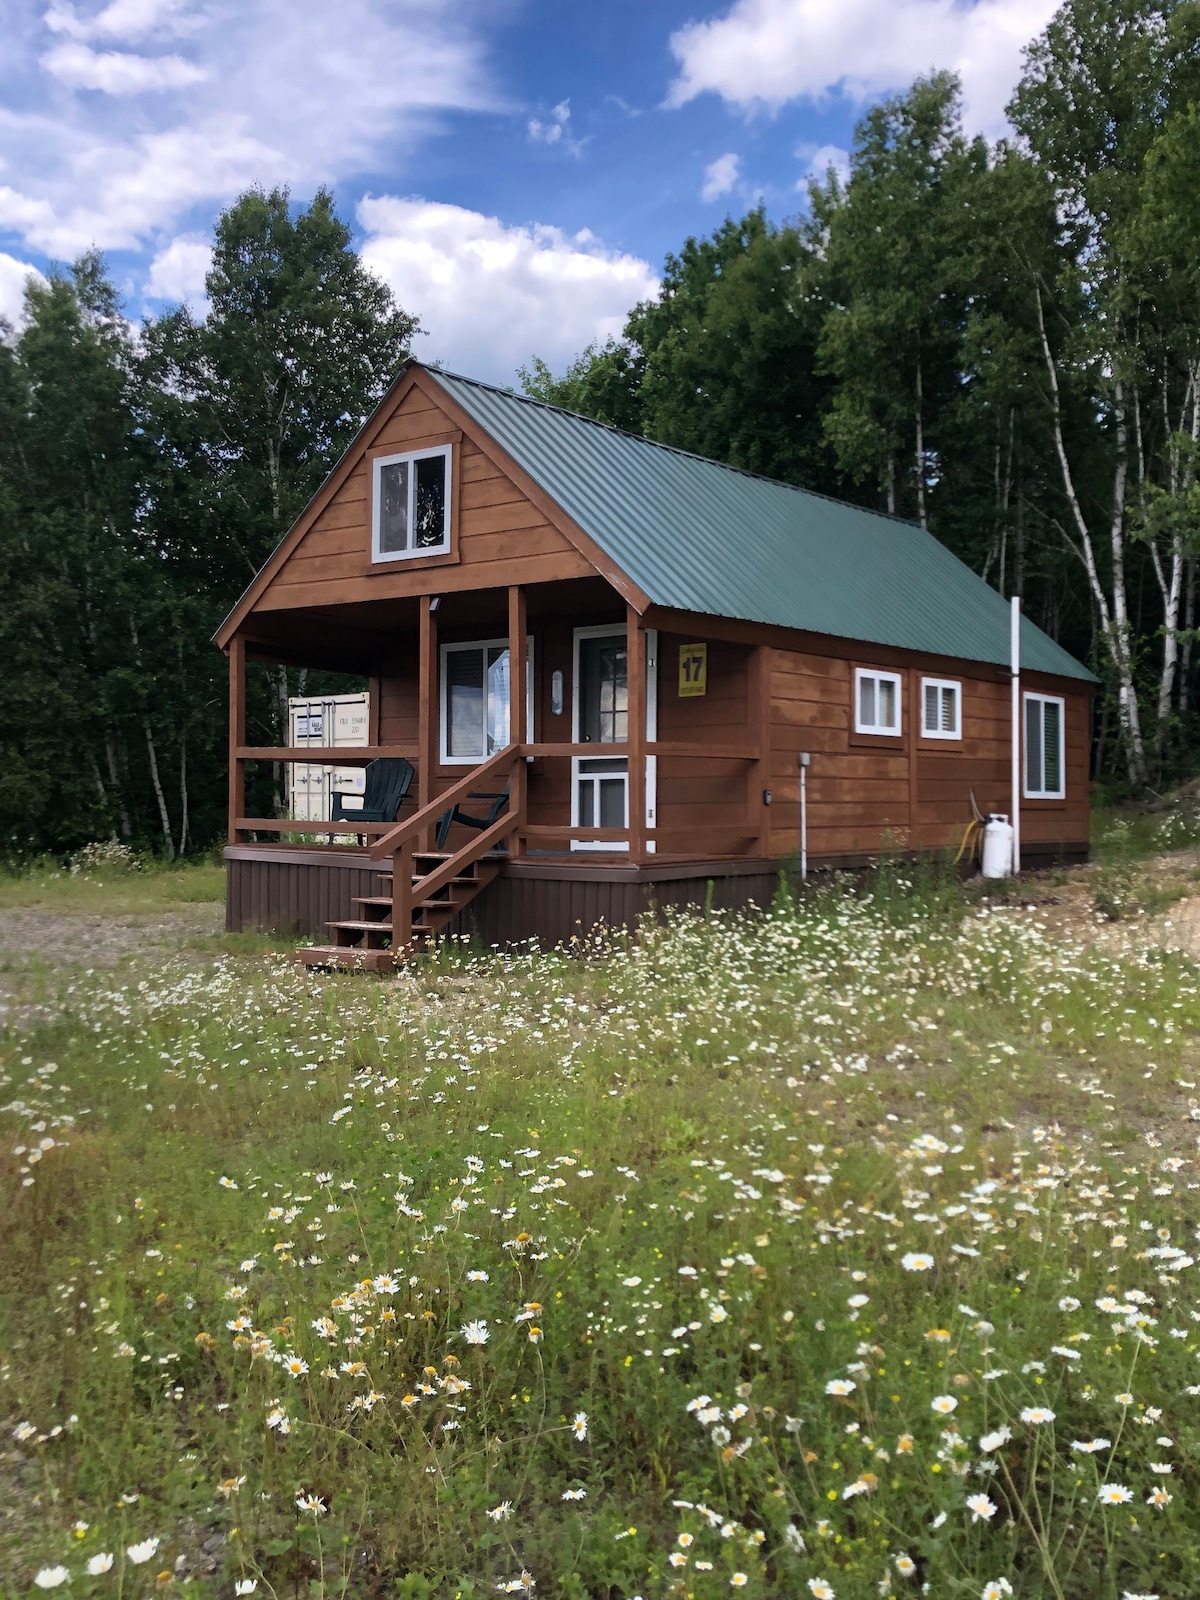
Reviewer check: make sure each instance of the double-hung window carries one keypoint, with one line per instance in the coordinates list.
(941, 708)
(410, 504)
(475, 699)
(876, 701)
(1045, 753)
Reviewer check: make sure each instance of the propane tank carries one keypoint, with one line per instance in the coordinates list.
(997, 846)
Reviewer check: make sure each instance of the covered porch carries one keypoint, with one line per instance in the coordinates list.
(622, 785)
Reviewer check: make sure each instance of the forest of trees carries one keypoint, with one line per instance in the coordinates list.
(1000, 342)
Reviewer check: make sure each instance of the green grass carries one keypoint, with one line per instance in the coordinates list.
(46, 886)
(678, 1183)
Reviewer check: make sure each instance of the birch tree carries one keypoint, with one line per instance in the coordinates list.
(1099, 85)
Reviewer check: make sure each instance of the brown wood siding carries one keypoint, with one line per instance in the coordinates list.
(499, 536)
(694, 793)
(913, 793)
(864, 793)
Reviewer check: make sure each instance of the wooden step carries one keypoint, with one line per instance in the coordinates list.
(352, 960)
(385, 900)
(367, 943)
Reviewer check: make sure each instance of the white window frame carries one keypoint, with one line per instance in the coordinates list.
(943, 683)
(444, 756)
(880, 676)
(412, 456)
(1029, 698)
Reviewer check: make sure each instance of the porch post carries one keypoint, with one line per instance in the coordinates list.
(402, 898)
(237, 733)
(635, 667)
(427, 705)
(758, 718)
(518, 731)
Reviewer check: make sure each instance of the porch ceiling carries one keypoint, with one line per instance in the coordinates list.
(361, 637)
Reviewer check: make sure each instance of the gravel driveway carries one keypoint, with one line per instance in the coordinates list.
(38, 949)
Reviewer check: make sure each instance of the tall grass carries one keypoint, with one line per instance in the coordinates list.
(787, 1253)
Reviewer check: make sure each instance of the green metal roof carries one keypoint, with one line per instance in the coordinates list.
(700, 536)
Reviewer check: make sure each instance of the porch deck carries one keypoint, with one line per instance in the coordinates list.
(553, 898)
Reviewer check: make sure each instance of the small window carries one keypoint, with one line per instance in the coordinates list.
(475, 700)
(411, 505)
(941, 708)
(1045, 755)
(876, 702)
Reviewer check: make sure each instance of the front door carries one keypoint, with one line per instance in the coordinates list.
(600, 784)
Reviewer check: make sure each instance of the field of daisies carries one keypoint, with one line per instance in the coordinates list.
(841, 1250)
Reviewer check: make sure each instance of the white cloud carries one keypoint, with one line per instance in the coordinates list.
(178, 271)
(295, 92)
(720, 176)
(14, 275)
(763, 53)
(551, 132)
(117, 72)
(557, 130)
(491, 296)
(122, 19)
(819, 158)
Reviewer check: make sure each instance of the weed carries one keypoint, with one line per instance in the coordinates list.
(837, 1249)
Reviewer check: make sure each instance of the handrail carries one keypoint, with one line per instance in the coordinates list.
(471, 851)
(391, 841)
(308, 825)
(325, 755)
(652, 747)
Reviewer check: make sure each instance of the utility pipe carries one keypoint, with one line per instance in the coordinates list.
(804, 761)
(1015, 663)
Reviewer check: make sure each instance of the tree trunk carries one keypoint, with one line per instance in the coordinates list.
(920, 458)
(1121, 634)
(1114, 620)
(103, 793)
(114, 778)
(281, 712)
(158, 790)
(1189, 623)
(183, 794)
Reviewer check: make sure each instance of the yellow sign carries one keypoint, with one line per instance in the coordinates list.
(693, 669)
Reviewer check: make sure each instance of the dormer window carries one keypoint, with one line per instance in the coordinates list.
(411, 504)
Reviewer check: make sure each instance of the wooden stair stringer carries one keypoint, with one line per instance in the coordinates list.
(367, 942)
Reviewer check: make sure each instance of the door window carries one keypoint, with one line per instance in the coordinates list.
(604, 690)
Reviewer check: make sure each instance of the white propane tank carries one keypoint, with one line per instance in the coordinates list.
(997, 846)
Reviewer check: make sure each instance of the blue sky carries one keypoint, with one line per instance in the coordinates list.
(515, 169)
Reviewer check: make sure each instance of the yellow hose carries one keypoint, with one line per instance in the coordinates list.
(972, 834)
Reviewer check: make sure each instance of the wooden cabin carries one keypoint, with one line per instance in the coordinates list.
(689, 632)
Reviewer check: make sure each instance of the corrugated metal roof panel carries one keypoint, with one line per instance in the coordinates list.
(700, 536)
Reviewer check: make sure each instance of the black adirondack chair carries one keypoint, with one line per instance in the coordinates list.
(499, 799)
(388, 782)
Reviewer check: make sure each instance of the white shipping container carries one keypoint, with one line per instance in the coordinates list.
(326, 723)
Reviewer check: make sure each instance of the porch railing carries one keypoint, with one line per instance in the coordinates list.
(508, 765)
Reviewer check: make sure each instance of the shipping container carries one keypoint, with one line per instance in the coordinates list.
(326, 723)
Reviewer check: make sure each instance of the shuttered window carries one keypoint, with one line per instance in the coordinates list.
(941, 708)
(1045, 749)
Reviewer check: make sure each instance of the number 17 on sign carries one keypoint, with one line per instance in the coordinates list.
(693, 669)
